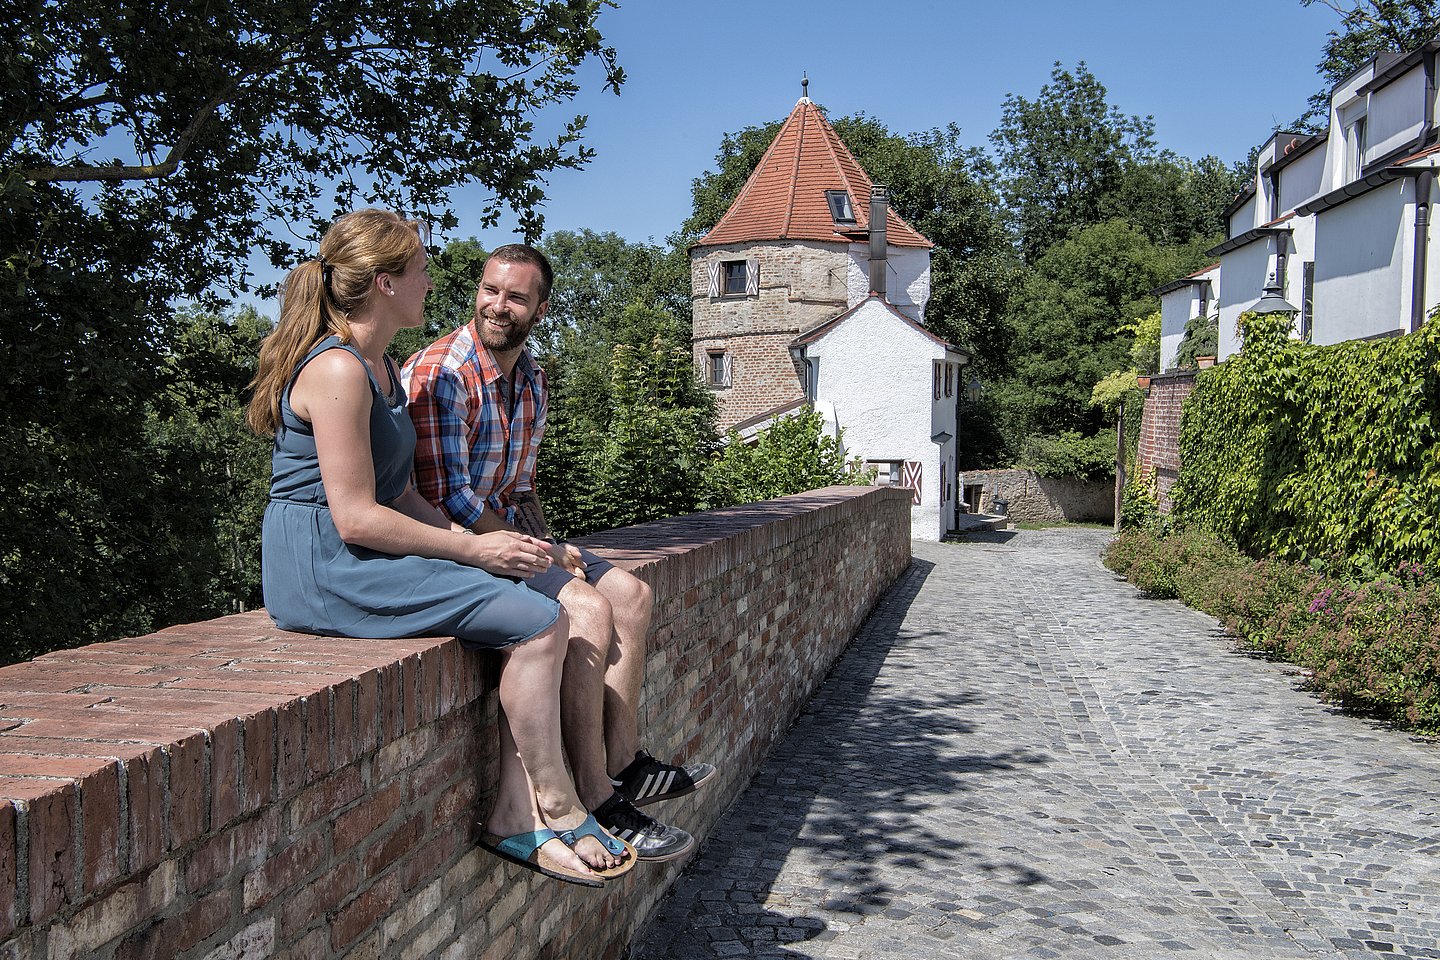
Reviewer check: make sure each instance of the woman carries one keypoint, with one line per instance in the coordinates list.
(350, 549)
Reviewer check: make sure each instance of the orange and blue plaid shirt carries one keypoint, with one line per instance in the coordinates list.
(471, 453)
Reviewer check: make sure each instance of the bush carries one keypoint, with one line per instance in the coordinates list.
(1373, 647)
(1318, 452)
(1070, 454)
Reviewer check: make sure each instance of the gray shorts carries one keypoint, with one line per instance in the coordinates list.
(553, 580)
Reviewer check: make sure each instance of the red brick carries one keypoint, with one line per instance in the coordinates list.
(9, 885)
(367, 711)
(40, 765)
(51, 823)
(431, 859)
(362, 913)
(369, 815)
(457, 803)
(100, 818)
(241, 847)
(393, 846)
(258, 764)
(289, 747)
(145, 790)
(317, 736)
(189, 791)
(317, 898)
(391, 694)
(320, 801)
(344, 745)
(284, 870)
(225, 767)
(174, 935)
(410, 688)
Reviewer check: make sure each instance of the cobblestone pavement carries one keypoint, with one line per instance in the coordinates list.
(1022, 757)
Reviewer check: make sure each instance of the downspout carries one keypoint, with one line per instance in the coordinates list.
(1422, 206)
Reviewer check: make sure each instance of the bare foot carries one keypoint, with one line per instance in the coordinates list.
(590, 849)
(505, 824)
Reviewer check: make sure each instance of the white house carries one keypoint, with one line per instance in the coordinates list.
(1180, 302)
(812, 290)
(1339, 220)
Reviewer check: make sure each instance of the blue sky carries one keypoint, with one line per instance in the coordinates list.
(1216, 77)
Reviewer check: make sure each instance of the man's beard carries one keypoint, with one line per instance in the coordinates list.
(512, 338)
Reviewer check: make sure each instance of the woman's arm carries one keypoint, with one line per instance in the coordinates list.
(333, 394)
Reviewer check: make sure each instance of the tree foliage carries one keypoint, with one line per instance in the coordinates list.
(792, 455)
(1367, 27)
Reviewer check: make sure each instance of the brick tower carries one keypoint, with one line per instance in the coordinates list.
(791, 253)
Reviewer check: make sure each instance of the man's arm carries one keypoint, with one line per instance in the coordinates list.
(442, 445)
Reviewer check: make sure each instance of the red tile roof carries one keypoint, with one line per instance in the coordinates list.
(784, 199)
(1428, 151)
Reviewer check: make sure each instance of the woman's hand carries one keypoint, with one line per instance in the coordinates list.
(507, 553)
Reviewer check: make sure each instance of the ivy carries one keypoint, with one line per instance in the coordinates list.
(1325, 454)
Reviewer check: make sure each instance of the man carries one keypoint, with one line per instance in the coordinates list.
(479, 402)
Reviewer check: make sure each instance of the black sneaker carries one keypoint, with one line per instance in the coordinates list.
(652, 839)
(647, 780)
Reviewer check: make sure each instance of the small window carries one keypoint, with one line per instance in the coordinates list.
(888, 473)
(935, 377)
(841, 210)
(717, 368)
(734, 278)
(949, 379)
(1307, 300)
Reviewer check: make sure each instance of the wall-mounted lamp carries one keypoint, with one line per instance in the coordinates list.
(973, 390)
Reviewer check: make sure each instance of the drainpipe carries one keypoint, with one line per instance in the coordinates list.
(1422, 243)
(879, 207)
(1422, 206)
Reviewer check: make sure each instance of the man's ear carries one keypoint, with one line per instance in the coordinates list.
(541, 310)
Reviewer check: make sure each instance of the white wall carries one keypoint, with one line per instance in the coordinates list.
(875, 381)
(907, 279)
(1243, 273)
(1362, 282)
(1396, 113)
(1244, 218)
(1176, 309)
(1302, 179)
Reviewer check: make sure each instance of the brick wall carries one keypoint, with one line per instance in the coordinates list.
(801, 286)
(1159, 453)
(224, 790)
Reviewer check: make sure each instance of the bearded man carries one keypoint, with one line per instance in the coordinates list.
(478, 401)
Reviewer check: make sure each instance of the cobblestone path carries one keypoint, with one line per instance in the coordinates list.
(1021, 757)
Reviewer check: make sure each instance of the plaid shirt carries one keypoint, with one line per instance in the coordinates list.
(471, 454)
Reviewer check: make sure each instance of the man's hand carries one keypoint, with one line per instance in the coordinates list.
(509, 554)
(569, 558)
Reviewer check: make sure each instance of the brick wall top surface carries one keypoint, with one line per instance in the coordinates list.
(71, 714)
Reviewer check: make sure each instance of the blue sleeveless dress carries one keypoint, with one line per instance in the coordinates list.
(314, 582)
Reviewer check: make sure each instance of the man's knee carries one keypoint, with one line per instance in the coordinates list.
(586, 605)
(628, 593)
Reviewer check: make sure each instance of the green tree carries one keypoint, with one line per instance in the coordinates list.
(1062, 154)
(652, 461)
(1066, 323)
(150, 150)
(1367, 27)
(792, 455)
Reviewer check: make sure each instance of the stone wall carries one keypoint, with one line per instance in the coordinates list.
(224, 790)
(1044, 499)
(801, 286)
(1159, 452)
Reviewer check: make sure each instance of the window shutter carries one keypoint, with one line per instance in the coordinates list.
(714, 267)
(726, 381)
(752, 278)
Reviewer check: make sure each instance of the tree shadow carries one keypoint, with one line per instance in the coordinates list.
(857, 799)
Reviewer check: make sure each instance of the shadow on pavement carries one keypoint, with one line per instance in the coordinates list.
(850, 800)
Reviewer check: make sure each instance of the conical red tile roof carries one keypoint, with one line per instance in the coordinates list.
(784, 199)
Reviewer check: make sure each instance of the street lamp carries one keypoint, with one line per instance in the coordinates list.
(972, 390)
(1272, 302)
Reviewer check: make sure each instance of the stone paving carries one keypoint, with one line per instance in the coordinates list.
(1022, 757)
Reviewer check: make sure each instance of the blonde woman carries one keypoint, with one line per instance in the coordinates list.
(350, 549)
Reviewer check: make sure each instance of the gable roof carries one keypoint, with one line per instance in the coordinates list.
(818, 333)
(784, 199)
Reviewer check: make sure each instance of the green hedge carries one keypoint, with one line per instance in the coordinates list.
(1373, 647)
(1318, 453)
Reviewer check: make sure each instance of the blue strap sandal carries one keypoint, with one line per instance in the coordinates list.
(523, 849)
(616, 847)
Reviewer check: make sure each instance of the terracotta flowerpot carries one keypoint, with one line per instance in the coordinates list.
(1144, 382)
(1203, 362)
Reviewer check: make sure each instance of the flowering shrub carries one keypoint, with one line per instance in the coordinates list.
(1372, 646)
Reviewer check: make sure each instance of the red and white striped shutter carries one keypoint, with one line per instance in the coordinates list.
(726, 381)
(913, 470)
(752, 278)
(714, 268)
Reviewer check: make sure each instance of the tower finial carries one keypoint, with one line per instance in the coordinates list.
(804, 86)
